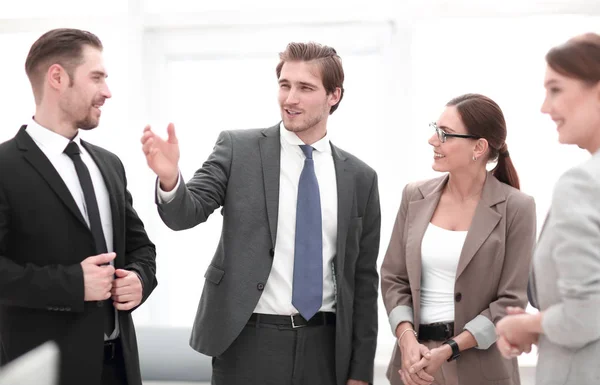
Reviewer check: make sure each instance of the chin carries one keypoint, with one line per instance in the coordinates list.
(437, 168)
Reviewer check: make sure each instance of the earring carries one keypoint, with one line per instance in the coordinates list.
(474, 158)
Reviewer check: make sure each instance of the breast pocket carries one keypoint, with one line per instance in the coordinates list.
(214, 274)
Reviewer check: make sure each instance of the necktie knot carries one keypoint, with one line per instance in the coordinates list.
(72, 149)
(307, 150)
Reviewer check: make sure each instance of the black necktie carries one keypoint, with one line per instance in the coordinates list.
(93, 213)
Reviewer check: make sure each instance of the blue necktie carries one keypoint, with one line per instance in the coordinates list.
(307, 293)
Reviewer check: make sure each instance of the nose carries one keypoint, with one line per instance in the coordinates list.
(292, 97)
(545, 109)
(434, 140)
(106, 92)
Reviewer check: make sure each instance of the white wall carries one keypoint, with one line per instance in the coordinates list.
(209, 66)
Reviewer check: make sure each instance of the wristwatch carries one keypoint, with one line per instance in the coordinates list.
(455, 351)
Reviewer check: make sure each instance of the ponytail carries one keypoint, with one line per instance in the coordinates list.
(505, 171)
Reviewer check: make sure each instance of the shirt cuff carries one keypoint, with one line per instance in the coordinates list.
(483, 330)
(166, 196)
(400, 314)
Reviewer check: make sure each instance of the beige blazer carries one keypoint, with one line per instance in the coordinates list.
(492, 272)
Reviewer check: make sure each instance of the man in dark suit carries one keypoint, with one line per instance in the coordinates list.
(75, 260)
(290, 296)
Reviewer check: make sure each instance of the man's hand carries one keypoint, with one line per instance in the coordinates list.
(97, 276)
(162, 156)
(126, 290)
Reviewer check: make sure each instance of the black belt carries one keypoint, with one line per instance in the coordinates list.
(110, 349)
(293, 322)
(439, 331)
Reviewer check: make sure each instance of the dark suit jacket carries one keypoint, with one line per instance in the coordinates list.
(43, 239)
(242, 175)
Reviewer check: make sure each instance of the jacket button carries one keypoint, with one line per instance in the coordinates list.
(260, 286)
(458, 297)
(272, 252)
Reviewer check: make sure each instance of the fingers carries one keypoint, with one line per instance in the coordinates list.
(125, 306)
(423, 375)
(101, 259)
(507, 350)
(172, 138)
(121, 273)
(406, 378)
(512, 310)
(424, 351)
(148, 146)
(419, 365)
(124, 298)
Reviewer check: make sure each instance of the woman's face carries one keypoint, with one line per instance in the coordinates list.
(575, 108)
(455, 153)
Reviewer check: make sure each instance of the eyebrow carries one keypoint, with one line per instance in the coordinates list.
(446, 128)
(550, 82)
(300, 83)
(100, 73)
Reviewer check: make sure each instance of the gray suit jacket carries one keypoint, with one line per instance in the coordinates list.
(566, 267)
(242, 175)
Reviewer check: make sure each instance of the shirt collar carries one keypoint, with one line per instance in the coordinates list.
(50, 140)
(291, 139)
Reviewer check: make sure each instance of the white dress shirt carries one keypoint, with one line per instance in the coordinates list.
(53, 146)
(277, 294)
(440, 252)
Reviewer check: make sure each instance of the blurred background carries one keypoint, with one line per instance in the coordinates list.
(209, 66)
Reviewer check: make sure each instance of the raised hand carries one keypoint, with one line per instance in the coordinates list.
(162, 156)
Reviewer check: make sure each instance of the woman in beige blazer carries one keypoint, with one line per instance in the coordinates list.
(459, 254)
(565, 284)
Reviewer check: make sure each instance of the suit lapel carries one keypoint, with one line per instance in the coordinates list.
(270, 154)
(345, 196)
(419, 215)
(116, 208)
(484, 221)
(34, 156)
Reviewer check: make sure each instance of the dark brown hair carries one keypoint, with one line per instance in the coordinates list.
(327, 59)
(578, 58)
(63, 46)
(483, 118)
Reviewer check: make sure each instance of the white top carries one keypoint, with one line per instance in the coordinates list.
(277, 295)
(53, 146)
(440, 252)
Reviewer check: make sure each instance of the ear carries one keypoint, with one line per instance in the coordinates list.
(334, 97)
(56, 77)
(481, 148)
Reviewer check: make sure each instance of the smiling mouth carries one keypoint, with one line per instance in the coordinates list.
(292, 112)
(438, 156)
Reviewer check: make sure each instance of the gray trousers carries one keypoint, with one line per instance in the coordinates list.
(275, 355)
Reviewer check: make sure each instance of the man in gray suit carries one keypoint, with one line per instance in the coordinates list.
(290, 296)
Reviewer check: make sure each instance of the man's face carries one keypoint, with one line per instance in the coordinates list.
(87, 91)
(303, 101)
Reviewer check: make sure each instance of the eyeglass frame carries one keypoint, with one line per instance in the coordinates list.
(446, 135)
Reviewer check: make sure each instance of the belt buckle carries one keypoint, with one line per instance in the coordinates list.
(294, 326)
(447, 330)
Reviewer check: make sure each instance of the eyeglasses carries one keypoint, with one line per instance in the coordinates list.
(442, 135)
